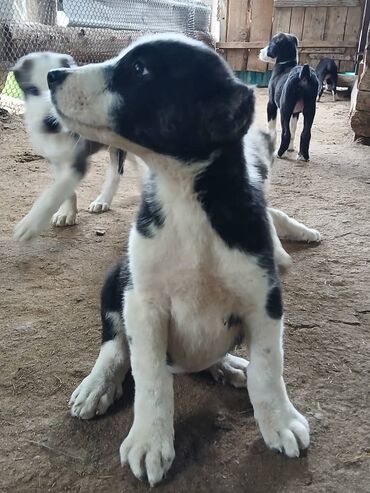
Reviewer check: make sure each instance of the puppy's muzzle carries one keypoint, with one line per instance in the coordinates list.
(56, 78)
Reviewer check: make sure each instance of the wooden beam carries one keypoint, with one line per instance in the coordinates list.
(84, 44)
(317, 3)
(306, 43)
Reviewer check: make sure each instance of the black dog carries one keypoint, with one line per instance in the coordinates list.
(293, 89)
(327, 73)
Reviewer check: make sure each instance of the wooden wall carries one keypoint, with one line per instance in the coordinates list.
(332, 31)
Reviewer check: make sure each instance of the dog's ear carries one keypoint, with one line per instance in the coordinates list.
(229, 114)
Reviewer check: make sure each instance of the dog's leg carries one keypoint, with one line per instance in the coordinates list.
(308, 116)
(285, 132)
(48, 203)
(104, 383)
(321, 90)
(282, 426)
(230, 370)
(67, 213)
(281, 257)
(148, 447)
(293, 129)
(288, 228)
(271, 119)
(113, 175)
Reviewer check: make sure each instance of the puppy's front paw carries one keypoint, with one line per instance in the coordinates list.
(99, 205)
(149, 451)
(64, 218)
(94, 395)
(284, 430)
(29, 227)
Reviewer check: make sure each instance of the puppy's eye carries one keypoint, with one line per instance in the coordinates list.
(139, 69)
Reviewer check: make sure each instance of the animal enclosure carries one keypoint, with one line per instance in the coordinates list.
(90, 30)
(324, 29)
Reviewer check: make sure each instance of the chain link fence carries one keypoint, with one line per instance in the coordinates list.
(89, 30)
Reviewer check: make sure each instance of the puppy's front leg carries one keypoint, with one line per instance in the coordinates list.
(282, 426)
(148, 447)
(288, 228)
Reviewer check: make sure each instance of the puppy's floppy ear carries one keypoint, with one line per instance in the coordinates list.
(229, 114)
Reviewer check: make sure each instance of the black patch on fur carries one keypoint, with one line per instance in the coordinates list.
(111, 299)
(121, 156)
(169, 360)
(29, 90)
(274, 303)
(269, 142)
(150, 216)
(262, 169)
(232, 320)
(51, 125)
(195, 106)
(84, 149)
(235, 209)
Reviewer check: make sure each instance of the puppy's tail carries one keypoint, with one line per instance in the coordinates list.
(305, 74)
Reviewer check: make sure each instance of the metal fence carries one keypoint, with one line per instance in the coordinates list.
(89, 30)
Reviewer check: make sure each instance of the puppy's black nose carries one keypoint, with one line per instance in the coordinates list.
(56, 77)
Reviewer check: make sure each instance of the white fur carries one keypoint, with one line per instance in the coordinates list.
(104, 384)
(293, 129)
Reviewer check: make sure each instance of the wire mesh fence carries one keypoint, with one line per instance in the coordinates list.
(89, 30)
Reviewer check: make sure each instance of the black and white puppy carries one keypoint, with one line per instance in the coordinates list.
(66, 151)
(293, 89)
(200, 274)
(327, 73)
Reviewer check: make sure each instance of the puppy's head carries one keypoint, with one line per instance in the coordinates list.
(282, 48)
(166, 93)
(31, 70)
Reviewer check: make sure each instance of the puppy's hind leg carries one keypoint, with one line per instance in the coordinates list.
(293, 129)
(113, 176)
(104, 383)
(271, 119)
(288, 228)
(230, 370)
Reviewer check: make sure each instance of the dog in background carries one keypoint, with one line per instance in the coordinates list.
(293, 90)
(327, 74)
(200, 274)
(66, 151)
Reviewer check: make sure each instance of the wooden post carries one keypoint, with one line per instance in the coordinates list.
(261, 21)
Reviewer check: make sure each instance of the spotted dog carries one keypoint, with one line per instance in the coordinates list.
(200, 274)
(67, 152)
(293, 89)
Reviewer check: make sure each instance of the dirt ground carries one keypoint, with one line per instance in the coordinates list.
(50, 334)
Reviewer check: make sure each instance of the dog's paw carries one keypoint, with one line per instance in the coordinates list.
(149, 451)
(300, 157)
(231, 370)
(285, 431)
(29, 227)
(99, 205)
(311, 235)
(94, 396)
(64, 218)
(282, 258)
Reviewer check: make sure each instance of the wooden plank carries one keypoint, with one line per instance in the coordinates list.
(335, 26)
(309, 43)
(314, 23)
(296, 22)
(237, 30)
(281, 22)
(352, 30)
(224, 9)
(360, 123)
(313, 27)
(316, 3)
(261, 22)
